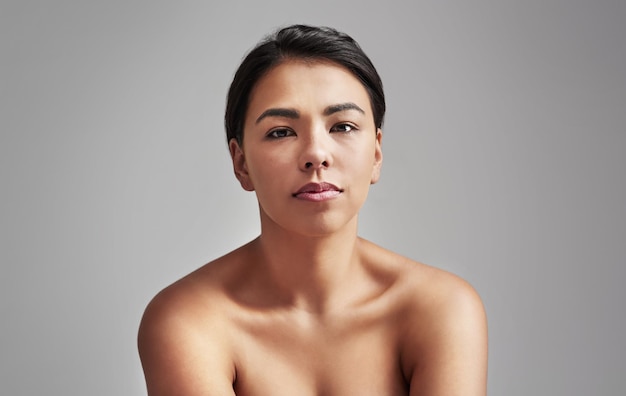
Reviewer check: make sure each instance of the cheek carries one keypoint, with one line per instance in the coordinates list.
(267, 170)
(362, 158)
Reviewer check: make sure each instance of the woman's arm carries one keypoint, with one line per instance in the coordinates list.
(182, 354)
(448, 345)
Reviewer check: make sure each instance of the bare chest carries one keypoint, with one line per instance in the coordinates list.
(282, 358)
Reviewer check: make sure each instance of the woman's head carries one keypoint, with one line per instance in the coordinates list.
(306, 43)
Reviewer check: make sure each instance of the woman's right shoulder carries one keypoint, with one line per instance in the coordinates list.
(201, 295)
(186, 329)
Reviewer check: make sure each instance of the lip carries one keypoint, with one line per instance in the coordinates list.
(317, 192)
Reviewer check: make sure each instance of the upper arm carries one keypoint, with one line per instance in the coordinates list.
(448, 346)
(182, 355)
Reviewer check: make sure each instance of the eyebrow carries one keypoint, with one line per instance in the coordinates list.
(278, 112)
(295, 114)
(332, 109)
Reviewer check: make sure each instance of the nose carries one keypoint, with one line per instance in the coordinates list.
(315, 153)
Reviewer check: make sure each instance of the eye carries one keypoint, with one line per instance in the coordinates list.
(280, 133)
(343, 127)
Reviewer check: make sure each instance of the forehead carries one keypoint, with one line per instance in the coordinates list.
(307, 86)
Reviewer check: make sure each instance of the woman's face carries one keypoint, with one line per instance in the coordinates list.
(310, 147)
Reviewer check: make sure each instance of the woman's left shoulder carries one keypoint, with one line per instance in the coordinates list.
(434, 289)
(424, 285)
(442, 327)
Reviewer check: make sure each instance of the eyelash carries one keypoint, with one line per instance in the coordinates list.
(272, 134)
(288, 132)
(352, 127)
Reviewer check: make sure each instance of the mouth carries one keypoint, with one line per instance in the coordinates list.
(317, 192)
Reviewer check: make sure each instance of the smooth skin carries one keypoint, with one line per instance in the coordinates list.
(308, 307)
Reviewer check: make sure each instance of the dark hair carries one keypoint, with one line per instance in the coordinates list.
(299, 42)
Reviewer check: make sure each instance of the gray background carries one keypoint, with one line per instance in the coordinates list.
(504, 163)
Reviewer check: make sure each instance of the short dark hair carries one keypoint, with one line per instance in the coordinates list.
(299, 42)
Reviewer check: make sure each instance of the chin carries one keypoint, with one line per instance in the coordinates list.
(317, 226)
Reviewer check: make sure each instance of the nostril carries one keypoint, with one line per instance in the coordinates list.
(310, 164)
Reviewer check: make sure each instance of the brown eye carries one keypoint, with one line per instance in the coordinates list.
(280, 133)
(343, 127)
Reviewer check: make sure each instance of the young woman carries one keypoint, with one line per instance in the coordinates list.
(308, 307)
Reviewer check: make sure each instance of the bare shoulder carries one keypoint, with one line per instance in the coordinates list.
(421, 284)
(438, 293)
(445, 342)
(444, 329)
(183, 338)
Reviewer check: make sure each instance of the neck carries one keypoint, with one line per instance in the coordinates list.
(311, 272)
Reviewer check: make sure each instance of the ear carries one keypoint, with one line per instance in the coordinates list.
(378, 156)
(239, 165)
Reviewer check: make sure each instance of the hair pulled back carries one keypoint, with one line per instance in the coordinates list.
(304, 42)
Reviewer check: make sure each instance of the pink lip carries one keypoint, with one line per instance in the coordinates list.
(317, 192)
